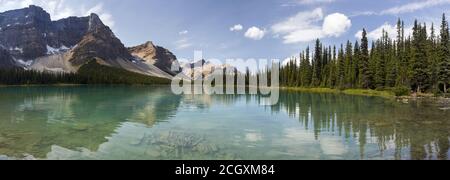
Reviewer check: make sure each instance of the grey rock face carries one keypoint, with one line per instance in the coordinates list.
(156, 55)
(6, 61)
(101, 43)
(28, 33)
(30, 39)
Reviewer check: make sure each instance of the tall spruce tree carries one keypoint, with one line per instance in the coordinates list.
(366, 74)
(380, 62)
(402, 79)
(349, 71)
(433, 59)
(419, 65)
(356, 64)
(444, 56)
(341, 67)
(317, 64)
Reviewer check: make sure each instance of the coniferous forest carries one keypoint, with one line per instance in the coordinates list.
(90, 73)
(419, 62)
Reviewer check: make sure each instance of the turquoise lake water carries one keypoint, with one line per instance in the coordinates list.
(121, 122)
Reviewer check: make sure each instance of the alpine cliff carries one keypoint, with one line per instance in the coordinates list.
(6, 61)
(157, 56)
(29, 39)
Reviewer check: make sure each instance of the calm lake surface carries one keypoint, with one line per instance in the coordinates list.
(151, 123)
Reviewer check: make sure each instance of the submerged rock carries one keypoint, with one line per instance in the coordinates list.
(180, 145)
(81, 127)
(405, 101)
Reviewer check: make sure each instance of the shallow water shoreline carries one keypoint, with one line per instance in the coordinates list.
(360, 92)
(356, 92)
(374, 93)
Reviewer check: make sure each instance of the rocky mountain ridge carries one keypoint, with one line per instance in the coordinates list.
(30, 33)
(30, 39)
(157, 56)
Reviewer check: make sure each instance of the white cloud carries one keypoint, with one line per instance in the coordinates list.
(378, 32)
(105, 16)
(358, 34)
(301, 35)
(336, 24)
(237, 27)
(182, 44)
(183, 32)
(287, 60)
(305, 26)
(405, 8)
(314, 1)
(294, 3)
(302, 20)
(60, 9)
(414, 6)
(255, 33)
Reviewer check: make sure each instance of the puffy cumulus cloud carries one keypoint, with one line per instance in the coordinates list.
(60, 9)
(255, 33)
(237, 27)
(302, 20)
(305, 26)
(336, 24)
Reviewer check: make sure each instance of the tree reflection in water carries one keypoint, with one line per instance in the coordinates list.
(418, 127)
(38, 120)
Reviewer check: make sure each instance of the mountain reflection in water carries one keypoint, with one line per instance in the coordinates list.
(144, 122)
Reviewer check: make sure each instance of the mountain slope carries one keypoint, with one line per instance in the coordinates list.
(31, 40)
(155, 55)
(94, 73)
(6, 61)
(100, 43)
(29, 33)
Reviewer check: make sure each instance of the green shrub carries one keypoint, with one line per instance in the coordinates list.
(401, 91)
(380, 89)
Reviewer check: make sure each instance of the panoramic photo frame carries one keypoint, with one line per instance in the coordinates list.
(224, 87)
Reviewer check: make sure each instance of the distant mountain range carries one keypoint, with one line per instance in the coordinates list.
(203, 69)
(29, 39)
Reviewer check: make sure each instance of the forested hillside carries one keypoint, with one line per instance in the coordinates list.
(419, 62)
(90, 73)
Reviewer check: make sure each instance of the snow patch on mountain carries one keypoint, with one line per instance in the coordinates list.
(24, 63)
(52, 50)
(16, 49)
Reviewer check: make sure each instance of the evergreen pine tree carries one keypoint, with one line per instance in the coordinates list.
(366, 74)
(341, 67)
(419, 66)
(444, 58)
(317, 64)
(356, 64)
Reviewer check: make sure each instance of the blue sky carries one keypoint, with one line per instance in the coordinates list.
(243, 28)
